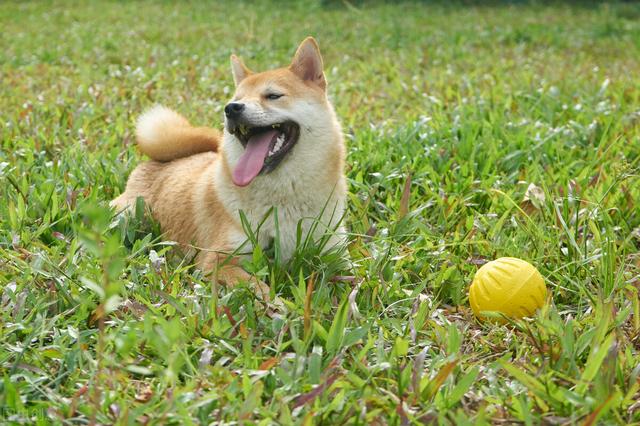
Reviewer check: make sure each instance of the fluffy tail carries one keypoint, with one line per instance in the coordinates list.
(165, 135)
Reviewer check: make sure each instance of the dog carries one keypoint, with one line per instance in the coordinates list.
(281, 156)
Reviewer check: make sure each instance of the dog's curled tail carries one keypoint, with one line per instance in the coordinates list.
(165, 135)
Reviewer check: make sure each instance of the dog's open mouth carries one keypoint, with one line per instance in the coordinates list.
(264, 148)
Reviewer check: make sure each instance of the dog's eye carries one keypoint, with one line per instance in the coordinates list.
(273, 96)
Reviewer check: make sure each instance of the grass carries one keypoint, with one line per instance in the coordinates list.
(451, 113)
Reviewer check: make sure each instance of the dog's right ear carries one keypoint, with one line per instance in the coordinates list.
(239, 70)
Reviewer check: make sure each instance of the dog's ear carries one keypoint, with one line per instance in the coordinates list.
(307, 63)
(239, 70)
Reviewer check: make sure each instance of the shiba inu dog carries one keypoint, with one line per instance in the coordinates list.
(281, 151)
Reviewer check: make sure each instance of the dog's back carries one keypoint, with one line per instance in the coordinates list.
(181, 153)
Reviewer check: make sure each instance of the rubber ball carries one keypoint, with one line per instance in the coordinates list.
(507, 285)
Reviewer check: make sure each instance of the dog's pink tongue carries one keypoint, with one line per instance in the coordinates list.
(252, 159)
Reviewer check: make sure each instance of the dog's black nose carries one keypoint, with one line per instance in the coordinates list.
(233, 109)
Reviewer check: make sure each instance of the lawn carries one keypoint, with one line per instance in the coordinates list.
(473, 132)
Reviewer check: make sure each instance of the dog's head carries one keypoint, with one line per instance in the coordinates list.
(274, 114)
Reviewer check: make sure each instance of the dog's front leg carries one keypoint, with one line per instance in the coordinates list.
(225, 269)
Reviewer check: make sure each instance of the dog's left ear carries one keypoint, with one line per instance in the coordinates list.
(239, 69)
(307, 63)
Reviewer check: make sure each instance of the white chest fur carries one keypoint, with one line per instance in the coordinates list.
(302, 202)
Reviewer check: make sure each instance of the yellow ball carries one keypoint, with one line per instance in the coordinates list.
(507, 285)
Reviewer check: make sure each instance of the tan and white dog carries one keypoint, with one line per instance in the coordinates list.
(282, 148)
